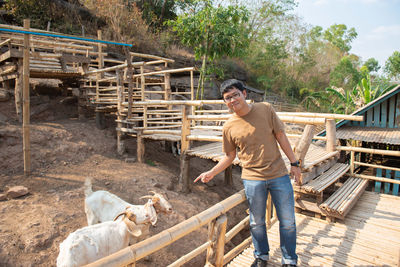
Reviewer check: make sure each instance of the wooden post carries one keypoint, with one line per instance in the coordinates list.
(145, 117)
(18, 89)
(303, 144)
(330, 135)
(228, 176)
(100, 53)
(140, 146)
(167, 86)
(185, 145)
(216, 235)
(120, 142)
(130, 82)
(352, 167)
(26, 108)
(142, 82)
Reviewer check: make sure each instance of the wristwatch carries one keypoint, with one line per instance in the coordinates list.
(295, 164)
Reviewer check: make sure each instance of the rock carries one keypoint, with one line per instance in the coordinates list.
(130, 160)
(17, 191)
(158, 185)
(107, 183)
(3, 197)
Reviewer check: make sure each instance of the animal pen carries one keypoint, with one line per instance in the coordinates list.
(349, 225)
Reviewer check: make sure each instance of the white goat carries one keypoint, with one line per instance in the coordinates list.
(94, 242)
(102, 206)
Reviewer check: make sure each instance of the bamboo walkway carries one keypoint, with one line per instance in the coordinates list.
(368, 236)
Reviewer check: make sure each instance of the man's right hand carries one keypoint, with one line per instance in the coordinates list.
(205, 177)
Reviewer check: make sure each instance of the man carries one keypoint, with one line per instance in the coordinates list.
(253, 131)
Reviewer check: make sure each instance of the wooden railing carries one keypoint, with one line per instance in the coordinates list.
(354, 163)
(215, 217)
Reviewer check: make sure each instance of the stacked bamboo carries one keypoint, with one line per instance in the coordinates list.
(340, 203)
(326, 179)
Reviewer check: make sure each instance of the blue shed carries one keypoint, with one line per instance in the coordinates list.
(380, 129)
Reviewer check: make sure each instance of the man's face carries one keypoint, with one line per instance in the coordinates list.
(235, 99)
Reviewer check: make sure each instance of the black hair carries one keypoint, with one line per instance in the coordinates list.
(230, 84)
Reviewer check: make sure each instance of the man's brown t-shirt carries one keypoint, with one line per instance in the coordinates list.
(254, 137)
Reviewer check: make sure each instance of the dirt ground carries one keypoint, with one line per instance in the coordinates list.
(64, 151)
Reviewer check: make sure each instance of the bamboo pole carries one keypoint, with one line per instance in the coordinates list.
(113, 68)
(167, 86)
(142, 83)
(323, 115)
(181, 102)
(120, 143)
(323, 158)
(130, 83)
(376, 166)
(204, 138)
(135, 54)
(352, 162)
(166, 71)
(237, 250)
(26, 110)
(221, 224)
(100, 58)
(303, 144)
(330, 135)
(300, 120)
(370, 150)
(18, 90)
(379, 179)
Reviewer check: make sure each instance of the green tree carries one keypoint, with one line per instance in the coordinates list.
(213, 32)
(372, 65)
(345, 74)
(338, 35)
(392, 65)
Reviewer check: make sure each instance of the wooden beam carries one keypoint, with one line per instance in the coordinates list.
(26, 109)
(303, 144)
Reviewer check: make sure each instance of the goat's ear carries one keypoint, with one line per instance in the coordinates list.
(131, 216)
(137, 231)
(155, 199)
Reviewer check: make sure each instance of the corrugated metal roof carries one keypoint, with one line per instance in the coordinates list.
(370, 134)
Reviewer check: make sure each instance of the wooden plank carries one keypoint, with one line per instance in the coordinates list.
(383, 114)
(377, 113)
(392, 109)
(370, 115)
(387, 185)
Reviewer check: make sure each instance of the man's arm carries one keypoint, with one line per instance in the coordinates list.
(224, 163)
(287, 149)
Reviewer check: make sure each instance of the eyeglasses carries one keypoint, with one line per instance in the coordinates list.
(232, 96)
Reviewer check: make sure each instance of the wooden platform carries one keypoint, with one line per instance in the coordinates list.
(368, 236)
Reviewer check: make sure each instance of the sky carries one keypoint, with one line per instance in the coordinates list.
(377, 23)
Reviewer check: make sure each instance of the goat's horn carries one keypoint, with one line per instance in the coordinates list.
(146, 197)
(122, 213)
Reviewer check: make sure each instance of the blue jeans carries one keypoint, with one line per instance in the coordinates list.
(282, 196)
